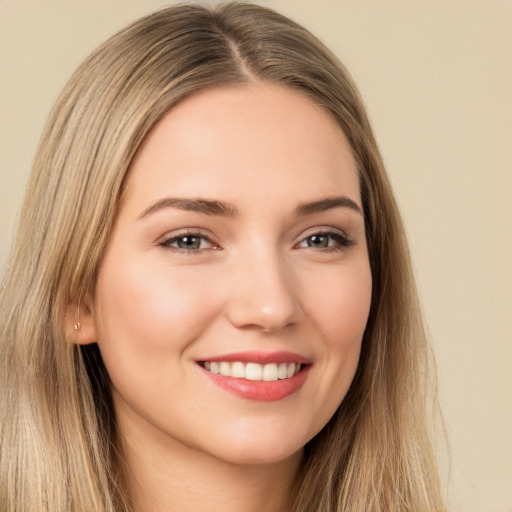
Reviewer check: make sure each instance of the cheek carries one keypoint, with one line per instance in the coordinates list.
(342, 306)
(339, 309)
(149, 307)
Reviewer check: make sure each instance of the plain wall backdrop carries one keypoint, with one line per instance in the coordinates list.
(437, 79)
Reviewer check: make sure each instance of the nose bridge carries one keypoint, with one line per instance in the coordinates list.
(262, 288)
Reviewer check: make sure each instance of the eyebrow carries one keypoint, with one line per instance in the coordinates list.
(205, 206)
(224, 209)
(327, 204)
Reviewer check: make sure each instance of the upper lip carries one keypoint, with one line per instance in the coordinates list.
(260, 357)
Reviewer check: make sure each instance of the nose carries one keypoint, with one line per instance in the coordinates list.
(262, 294)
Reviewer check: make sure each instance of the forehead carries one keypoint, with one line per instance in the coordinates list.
(258, 139)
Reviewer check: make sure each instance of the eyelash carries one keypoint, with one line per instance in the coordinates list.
(340, 239)
(187, 234)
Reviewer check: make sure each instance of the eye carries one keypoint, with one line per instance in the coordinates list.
(325, 240)
(188, 242)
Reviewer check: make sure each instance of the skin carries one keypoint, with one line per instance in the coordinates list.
(257, 281)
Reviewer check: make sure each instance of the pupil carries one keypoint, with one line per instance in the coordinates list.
(318, 241)
(189, 242)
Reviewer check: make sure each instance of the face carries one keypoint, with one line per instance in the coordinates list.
(235, 288)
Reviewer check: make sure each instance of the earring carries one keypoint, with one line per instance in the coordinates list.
(76, 326)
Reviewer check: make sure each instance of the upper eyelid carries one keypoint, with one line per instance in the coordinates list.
(178, 233)
(167, 243)
(207, 235)
(343, 239)
(325, 230)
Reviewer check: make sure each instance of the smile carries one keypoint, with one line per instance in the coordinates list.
(258, 376)
(253, 371)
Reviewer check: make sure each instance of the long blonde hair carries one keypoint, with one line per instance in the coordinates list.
(59, 450)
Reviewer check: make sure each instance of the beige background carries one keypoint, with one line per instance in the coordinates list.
(437, 78)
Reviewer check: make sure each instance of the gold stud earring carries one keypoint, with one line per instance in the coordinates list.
(77, 326)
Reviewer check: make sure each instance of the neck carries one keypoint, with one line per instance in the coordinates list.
(170, 477)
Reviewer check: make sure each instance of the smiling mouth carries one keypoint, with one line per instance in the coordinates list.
(253, 371)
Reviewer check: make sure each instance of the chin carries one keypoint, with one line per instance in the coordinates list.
(257, 449)
(254, 456)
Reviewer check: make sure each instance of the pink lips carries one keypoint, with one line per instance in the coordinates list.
(265, 391)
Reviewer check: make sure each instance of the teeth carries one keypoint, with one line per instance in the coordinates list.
(253, 371)
(270, 372)
(225, 369)
(238, 370)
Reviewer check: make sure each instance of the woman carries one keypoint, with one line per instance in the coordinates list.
(210, 302)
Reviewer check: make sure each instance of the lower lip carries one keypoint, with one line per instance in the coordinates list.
(260, 390)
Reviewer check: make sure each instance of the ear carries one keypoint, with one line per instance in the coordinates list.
(80, 324)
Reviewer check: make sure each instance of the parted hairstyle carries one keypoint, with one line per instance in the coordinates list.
(59, 445)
